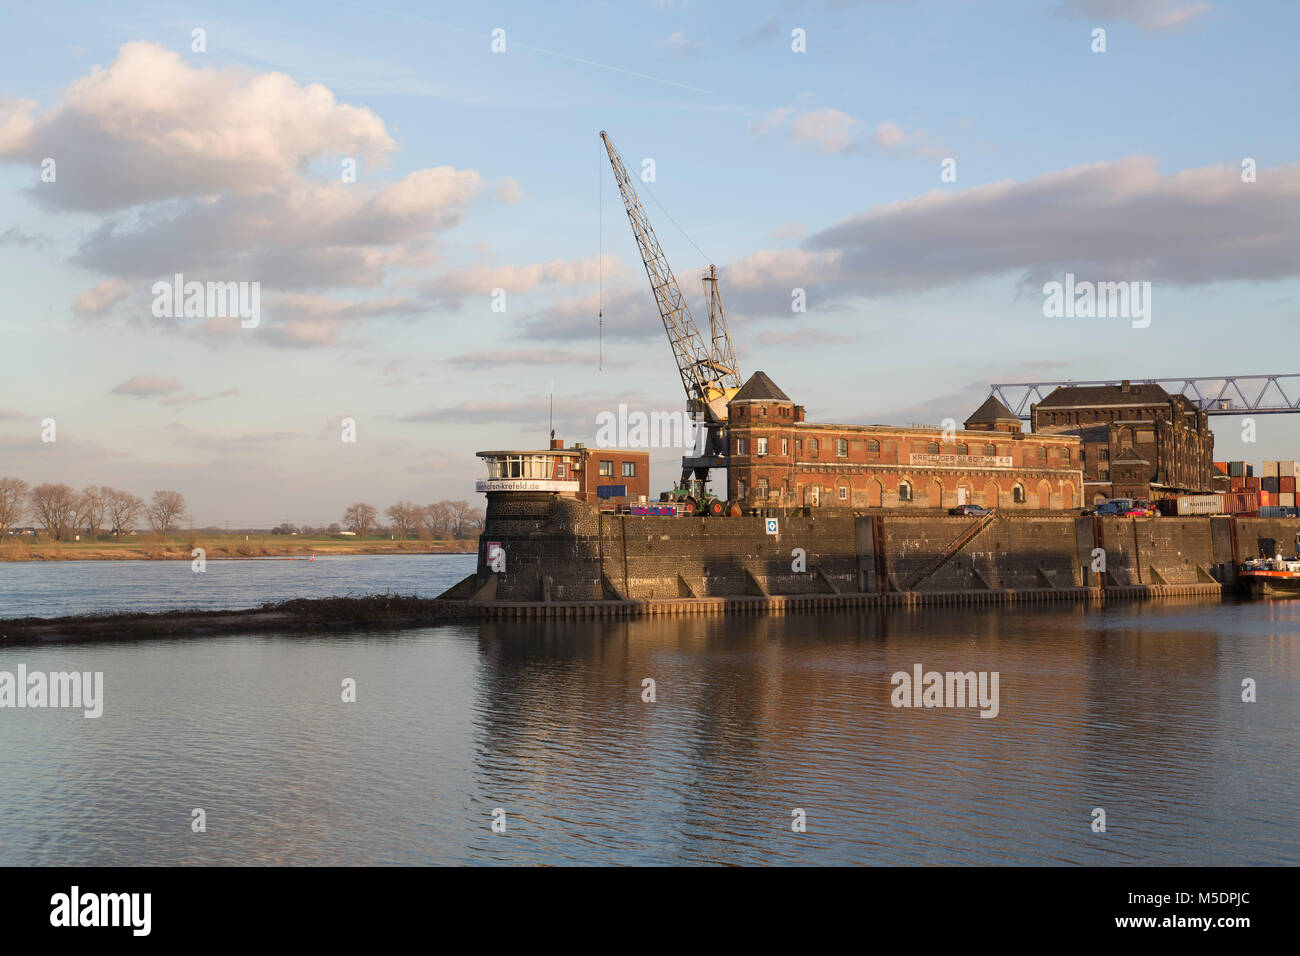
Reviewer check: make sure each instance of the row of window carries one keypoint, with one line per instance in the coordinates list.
(873, 447)
(607, 469)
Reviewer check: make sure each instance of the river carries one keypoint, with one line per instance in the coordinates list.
(1135, 709)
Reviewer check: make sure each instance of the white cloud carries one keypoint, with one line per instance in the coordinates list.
(101, 298)
(1149, 15)
(147, 386)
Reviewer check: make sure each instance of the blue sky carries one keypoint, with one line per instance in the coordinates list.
(481, 170)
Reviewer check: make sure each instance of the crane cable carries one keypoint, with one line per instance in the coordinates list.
(600, 261)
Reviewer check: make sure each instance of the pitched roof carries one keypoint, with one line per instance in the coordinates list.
(760, 388)
(1129, 455)
(1090, 395)
(991, 411)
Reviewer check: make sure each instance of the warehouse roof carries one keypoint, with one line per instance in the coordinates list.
(760, 388)
(1093, 395)
(991, 412)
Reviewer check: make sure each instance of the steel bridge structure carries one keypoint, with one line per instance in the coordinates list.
(1221, 395)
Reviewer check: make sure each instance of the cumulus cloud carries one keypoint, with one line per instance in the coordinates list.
(311, 234)
(307, 321)
(1112, 220)
(216, 173)
(791, 230)
(826, 130)
(1149, 15)
(890, 136)
(148, 386)
(452, 288)
(149, 126)
(100, 298)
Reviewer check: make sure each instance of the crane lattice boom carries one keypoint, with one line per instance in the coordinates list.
(709, 375)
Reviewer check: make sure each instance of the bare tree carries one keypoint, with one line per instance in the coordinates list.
(55, 507)
(460, 512)
(124, 509)
(93, 507)
(405, 516)
(360, 518)
(165, 511)
(13, 503)
(475, 519)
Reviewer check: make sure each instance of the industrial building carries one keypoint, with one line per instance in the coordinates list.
(613, 476)
(1138, 440)
(779, 459)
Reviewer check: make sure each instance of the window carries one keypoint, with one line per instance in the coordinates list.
(841, 448)
(963, 448)
(740, 487)
(873, 446)
(1018, 494)
(844, 493)
(607, 469)
(798, 446)
(991, 450)
(812, 447)
(785, 446)
(1042, 454)
(932, 448)
(764, 411)
(904, 491)
(1103, 454)
(629, 469)
(760, 446)
(761, 487)
(740, 446)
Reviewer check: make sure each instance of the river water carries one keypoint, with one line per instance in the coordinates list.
(1135, 709)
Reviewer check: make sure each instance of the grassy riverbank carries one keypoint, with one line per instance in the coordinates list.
(178, 547)
(315, 614)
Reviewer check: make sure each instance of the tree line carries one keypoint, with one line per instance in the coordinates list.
(457, 519)
(63, 512)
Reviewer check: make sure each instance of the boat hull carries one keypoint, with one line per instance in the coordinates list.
(1271, 584)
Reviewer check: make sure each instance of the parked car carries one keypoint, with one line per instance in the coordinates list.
(974, 511)
(1141, 509)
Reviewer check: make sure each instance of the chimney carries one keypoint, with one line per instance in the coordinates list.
(798, 413)
(556, 442)
(1125, 386)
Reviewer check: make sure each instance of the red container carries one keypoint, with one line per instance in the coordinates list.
(1237, 484)
(1268, 499)
(1286, 485)
(1254, 484)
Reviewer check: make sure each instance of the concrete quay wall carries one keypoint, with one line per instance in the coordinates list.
(559, 550)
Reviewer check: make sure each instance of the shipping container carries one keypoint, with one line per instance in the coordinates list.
(1290, 469)
(1254, 484)
(1222, 466)
(1237, 469)
(1270, 484)
(1237, 484)
(1192, 505)
(1241, 503)
(1270, 469)
(1286, 484)
(1268, 499)
(1286, 499)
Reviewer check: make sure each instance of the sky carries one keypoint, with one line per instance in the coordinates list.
(225, 156)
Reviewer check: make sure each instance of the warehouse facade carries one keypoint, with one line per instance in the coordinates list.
(779, 459)
(1138, 440)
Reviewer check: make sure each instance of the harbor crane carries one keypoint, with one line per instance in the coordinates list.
(709, 371)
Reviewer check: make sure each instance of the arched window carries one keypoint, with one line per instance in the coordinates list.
(1018, 494)
(963, 448)
(991, 450)
(812, 447)
(873, 445)
(932, 448)
(904, 491)
(1042, 454)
